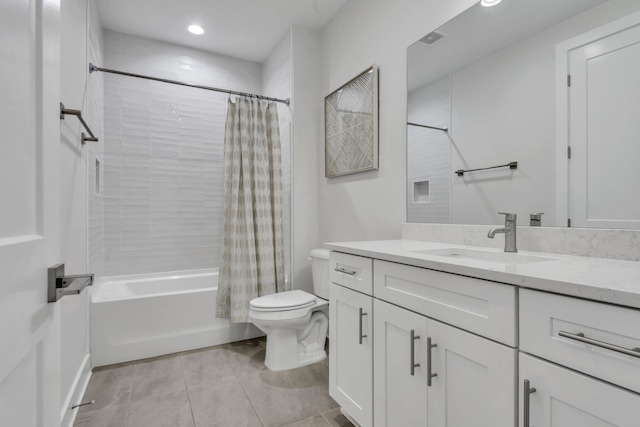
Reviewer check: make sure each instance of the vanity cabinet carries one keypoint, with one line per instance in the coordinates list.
(445, 350)
(427, 373)
(351, 335)
(473, 378)
(588, 337)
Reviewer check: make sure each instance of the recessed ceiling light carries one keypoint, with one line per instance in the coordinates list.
(489, 3)
(197, 29)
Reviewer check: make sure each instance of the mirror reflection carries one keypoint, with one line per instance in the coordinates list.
(489, 97)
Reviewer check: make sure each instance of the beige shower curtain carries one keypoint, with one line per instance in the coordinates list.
(252, 245)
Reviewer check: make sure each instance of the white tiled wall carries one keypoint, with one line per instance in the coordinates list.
(163, 154)
(429, 152)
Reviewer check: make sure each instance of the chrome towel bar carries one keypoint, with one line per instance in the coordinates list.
(445, 130)
(64, 111)
(510, 165)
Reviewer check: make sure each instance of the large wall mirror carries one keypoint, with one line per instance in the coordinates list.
(490, 90)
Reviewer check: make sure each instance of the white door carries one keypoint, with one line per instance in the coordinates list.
(564, 398)
(29, 212)
(475, 382)
(400, 366)
(604, 129)
(351, 353)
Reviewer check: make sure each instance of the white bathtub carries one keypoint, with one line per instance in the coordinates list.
(134, 317)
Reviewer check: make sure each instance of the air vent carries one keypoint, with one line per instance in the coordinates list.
(432, 37)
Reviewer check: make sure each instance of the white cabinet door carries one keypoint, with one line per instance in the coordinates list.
(475, 380)
(400, 364)
(350, 353)
(564, 398)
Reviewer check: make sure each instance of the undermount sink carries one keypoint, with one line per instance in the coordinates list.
(502, 258)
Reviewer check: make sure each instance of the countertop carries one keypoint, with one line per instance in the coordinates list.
(598, 279)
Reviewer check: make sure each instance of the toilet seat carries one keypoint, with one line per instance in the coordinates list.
(283, 301)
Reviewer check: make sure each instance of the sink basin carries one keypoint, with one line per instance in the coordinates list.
(502, 258)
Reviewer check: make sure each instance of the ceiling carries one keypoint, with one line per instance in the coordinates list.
(479, 31)
(246, 29)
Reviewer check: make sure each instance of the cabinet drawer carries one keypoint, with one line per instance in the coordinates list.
(587, 336)
(351, 271)
(479, 306)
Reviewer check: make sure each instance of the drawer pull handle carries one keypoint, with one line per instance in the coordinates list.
(345, 271)
(360, 336)
(414, 365)
(527, 402)
(635, 352)
(429, 369)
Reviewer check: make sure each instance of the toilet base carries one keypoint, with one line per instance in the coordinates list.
(293, 348)
(276, 363)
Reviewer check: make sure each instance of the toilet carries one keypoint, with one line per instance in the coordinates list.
(295, 322)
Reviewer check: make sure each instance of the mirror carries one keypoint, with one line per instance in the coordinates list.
(486, 91)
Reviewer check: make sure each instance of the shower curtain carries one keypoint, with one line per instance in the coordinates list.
(252, 244)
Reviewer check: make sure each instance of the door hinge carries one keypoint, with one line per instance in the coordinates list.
(569, 222)
(568, 152)
(569, 80)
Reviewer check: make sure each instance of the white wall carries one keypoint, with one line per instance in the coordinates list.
(371, 205)
(95, 118)
(76, 94)
(163, 154)
(307, 109)
(276, 83)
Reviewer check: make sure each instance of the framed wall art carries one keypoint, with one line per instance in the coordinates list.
(351, 126)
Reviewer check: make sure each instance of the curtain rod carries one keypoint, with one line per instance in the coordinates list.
(93, 68)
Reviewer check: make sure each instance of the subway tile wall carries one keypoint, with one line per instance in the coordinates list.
(163, 154)
(429, 152)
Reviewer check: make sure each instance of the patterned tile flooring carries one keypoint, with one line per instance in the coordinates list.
(226, 385)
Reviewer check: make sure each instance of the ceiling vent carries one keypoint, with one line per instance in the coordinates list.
(432, 37)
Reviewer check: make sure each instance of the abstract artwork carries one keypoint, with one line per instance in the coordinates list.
(351, 126)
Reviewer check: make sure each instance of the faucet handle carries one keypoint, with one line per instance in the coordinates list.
(509, 216)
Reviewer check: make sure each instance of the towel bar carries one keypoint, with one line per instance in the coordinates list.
(64, 111)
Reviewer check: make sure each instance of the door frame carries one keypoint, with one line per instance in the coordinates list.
(563, 50)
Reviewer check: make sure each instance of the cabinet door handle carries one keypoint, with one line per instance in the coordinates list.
(360, 336)
(414, 365)
(345, 271)
(430, 374)
(526, 407)
(635, 352)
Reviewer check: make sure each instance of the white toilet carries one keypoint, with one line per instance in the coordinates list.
(296, 322)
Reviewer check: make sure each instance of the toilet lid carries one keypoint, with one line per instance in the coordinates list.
(283, 301)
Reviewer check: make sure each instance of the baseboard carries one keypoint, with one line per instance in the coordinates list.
(68, 415)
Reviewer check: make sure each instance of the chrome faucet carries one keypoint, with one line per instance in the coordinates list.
(509, 231)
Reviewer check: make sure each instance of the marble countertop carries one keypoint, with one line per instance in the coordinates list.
(599, 279)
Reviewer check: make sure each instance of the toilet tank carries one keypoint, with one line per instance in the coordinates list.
(320, 271)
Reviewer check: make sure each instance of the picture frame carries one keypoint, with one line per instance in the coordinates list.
(351, 126)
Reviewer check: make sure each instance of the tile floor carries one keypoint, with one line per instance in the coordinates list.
(225, 386)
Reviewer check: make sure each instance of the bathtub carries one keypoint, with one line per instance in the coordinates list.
(135, 317)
